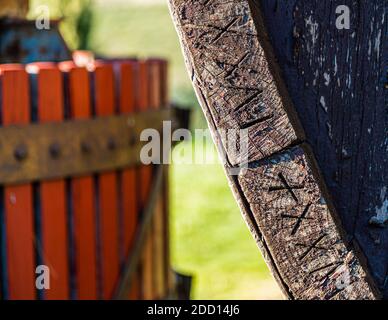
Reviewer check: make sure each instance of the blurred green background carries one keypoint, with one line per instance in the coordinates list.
(209, 239)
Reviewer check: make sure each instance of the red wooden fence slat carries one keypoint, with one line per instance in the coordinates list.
(108, 193)
(130, 207)
(84, 213)
(18, 199)
(144, 105)
(164, 199)
(145, 187)
(53, 193)
(128, 187)
(157, 229)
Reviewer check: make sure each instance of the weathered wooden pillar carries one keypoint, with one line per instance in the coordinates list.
(286, 200)
(13, 8)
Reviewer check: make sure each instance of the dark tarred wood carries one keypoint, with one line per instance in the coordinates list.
(82, 197)
(104, 91)
(55, 252)
(337, 81)
(238, 83)
(18, 199)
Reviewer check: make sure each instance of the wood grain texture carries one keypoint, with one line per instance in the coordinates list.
(231, 74)
(337, 80)
(228, 56)
(297, 223)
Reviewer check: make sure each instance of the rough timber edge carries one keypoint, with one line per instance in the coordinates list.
(239, 195)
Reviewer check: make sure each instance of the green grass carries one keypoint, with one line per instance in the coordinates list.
(210, 239)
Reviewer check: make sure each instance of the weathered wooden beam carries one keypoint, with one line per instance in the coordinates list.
(233, 77)
(282, 195)
(297, 222)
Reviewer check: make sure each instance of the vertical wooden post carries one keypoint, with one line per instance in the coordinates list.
(168, 274)
(52, 193)
(14, 8)
(128, 73)
(18, 199)
(157, 230)
(82, 190)
(107, 186)
(145, 186)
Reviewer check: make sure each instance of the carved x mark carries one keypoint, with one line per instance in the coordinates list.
(314, 245)
(299, 219)
(224, 30)
(286, 186)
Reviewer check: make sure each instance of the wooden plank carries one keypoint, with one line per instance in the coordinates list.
(297, 221)
(129, 277)
(165, 194)
(168, 276)
(350, 143)
(129, 198)
(144, 104)
(18, 199)
(158, 227)
(159, 253)
(53, 193)
(145, 186)
(107, 187)
(82, 188)
(239, 86)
